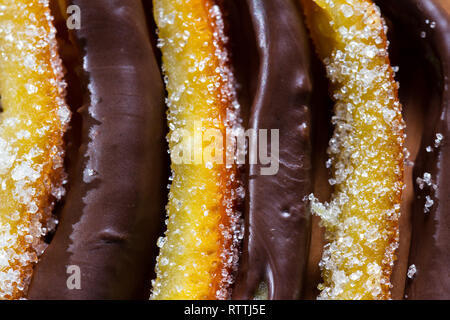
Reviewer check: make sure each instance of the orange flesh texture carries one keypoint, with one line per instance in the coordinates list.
(366, 150)
(32, 126)
(199, 251)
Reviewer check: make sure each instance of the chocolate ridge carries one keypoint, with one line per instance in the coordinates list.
(278, 221)
(115, 204)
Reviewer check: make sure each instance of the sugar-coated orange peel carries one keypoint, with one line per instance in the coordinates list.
(366, 150)
(32, 126)
(199, 250)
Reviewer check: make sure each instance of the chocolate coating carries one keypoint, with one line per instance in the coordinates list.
(112, 215)
(430, 244)
(278, 222)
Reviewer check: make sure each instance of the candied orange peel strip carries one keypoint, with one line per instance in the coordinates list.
(366, 150)
(32, 126)
(198, 254)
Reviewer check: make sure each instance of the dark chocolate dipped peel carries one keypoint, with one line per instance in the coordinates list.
(425, 28)
(111, 216)
(277, 222)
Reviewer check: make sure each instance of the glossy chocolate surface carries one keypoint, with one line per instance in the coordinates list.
(114, 208)
(277, 219)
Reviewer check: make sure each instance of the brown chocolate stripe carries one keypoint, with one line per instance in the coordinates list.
(278, 222)
(110, 219)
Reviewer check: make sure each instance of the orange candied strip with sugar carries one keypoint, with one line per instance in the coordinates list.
(32, 125)
(366, 150)
(198, 254)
